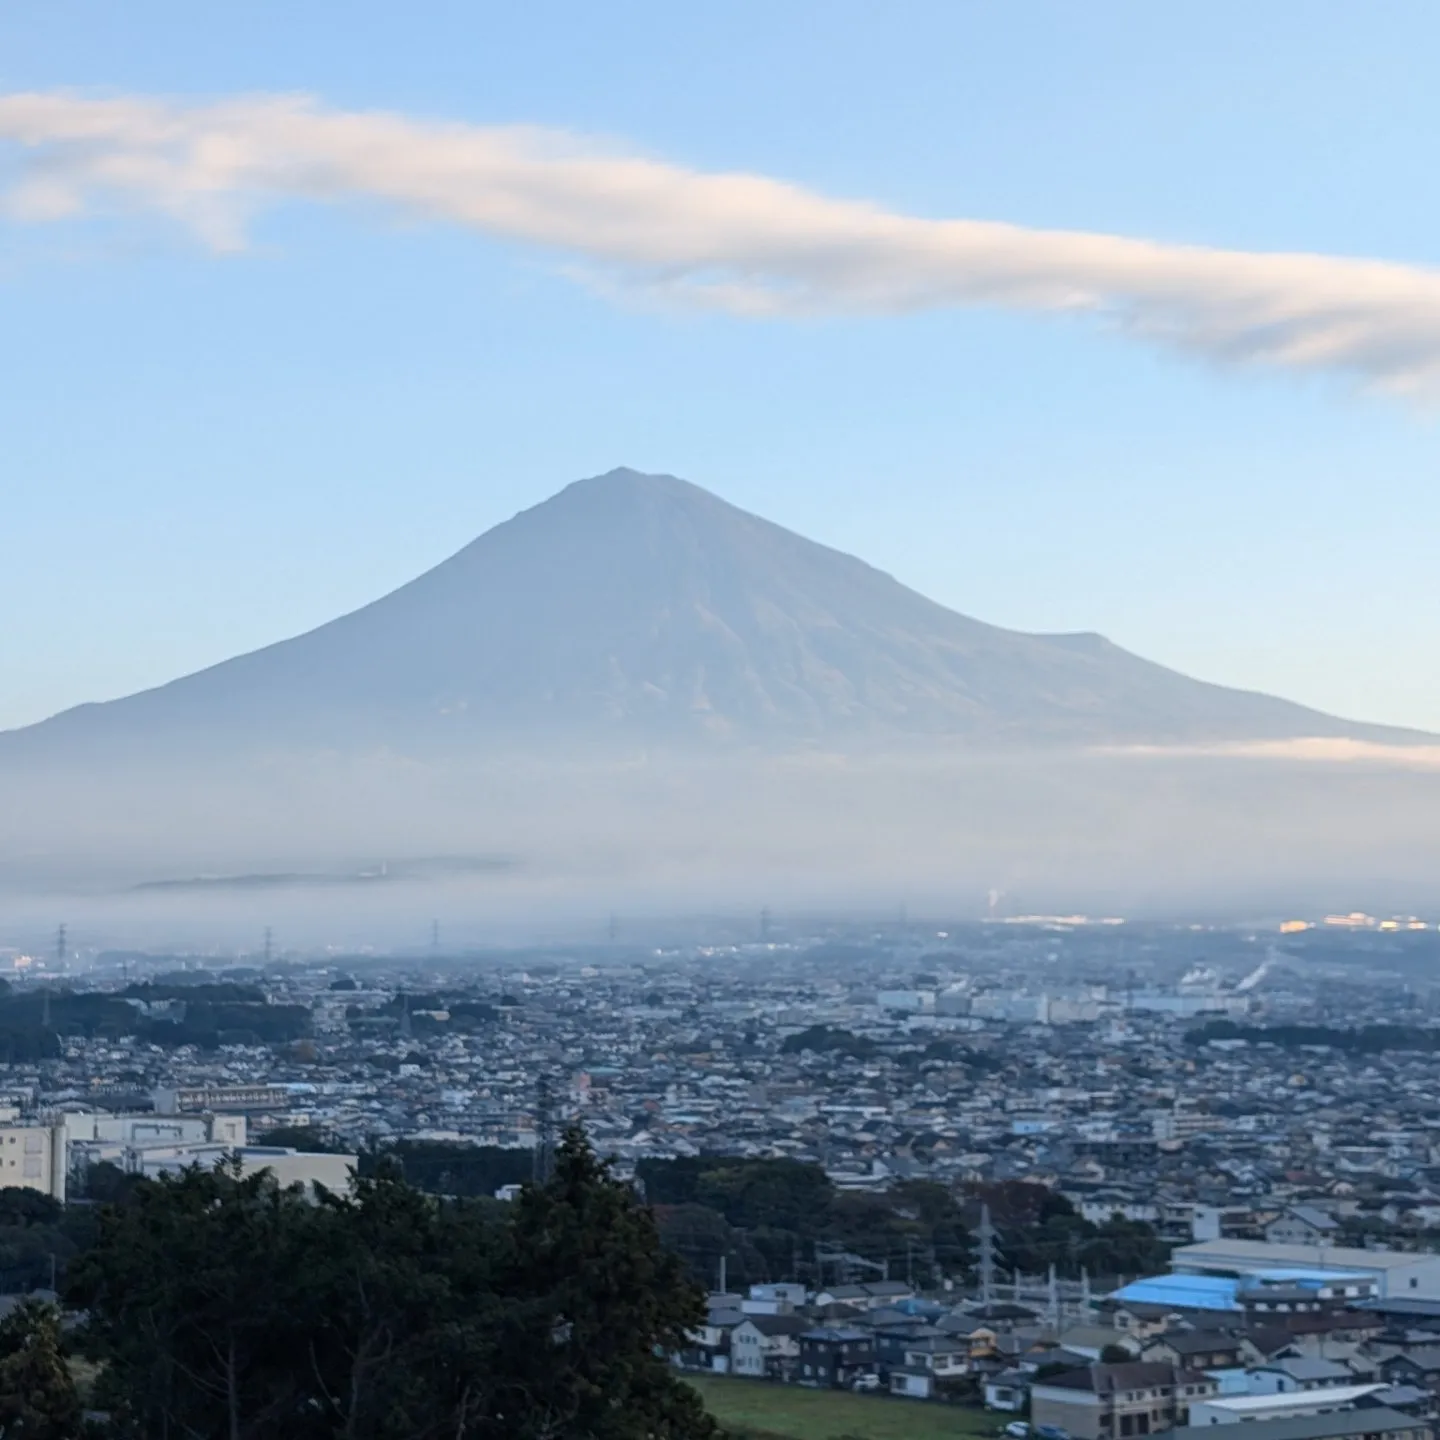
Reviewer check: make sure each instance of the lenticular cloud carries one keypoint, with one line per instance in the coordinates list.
(745, 244)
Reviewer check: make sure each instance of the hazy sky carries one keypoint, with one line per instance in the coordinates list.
(267, 356)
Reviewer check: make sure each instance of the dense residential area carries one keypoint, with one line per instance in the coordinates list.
(1206, 1195)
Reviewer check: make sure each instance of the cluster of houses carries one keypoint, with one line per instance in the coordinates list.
(1293, 1342)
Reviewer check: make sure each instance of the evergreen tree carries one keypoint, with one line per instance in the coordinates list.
(38, 1400)
(232, 1308)
(605, 1306)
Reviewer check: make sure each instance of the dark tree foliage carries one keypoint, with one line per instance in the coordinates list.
(1359, 1040)
(106, 1183)
(767, 1216)
(822, 1040)
(210, 1015)
(38, 1399)
(227, 1307)
(612, 1302)
(1038, 1228)
(309, 1139)
(38, 1237)
(445, 1167)
(176, 988)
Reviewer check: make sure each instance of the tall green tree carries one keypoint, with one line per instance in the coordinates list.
(231, 1308)
(604, 1305)
(38, 1399)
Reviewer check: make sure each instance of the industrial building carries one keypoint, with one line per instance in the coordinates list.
(1393, 1273)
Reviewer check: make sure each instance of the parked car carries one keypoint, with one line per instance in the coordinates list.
(868, 1381)
(1018, 1430)
(1052, 1432)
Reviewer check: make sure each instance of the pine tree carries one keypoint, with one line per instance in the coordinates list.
(229, 1307)
(38, 1400)
(606, 1306)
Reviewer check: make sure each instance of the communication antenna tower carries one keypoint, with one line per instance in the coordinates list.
(544, 1158)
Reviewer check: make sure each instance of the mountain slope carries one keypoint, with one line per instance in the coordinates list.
(637, 608)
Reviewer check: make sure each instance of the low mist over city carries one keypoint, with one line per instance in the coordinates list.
(719, 724)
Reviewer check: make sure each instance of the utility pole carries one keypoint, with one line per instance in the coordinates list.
(723, 1258)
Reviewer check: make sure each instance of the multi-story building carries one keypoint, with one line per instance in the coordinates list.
(1111, 1402)
(33, 1158)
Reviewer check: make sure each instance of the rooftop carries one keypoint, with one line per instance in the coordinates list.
(1254, 1407)
(1375, 1420)
(1261, 1254)
(1181, 1292)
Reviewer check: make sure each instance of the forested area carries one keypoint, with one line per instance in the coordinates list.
(1358, 1039)
(777, 1219)
(171, 1014)
(224, 1307)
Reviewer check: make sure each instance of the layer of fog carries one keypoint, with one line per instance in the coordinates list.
(515, 848)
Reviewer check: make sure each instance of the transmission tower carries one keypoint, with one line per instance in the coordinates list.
(269, 946)
(987, 1256)
(62, 948)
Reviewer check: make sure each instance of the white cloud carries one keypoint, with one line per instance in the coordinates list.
(741, 243)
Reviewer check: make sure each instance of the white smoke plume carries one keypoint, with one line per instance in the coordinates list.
(742, 243)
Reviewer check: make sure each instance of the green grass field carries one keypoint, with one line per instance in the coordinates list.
(761, 1408)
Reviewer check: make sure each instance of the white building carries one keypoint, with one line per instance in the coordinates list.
(124, 1140)
(1235, 1409)
(1397, 1274)
(195, 1099)
(289, 1167)
(32, 1157)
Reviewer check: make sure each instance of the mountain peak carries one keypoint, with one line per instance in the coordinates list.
(641, 609)
(627, 487)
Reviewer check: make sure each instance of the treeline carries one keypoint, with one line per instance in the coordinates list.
(1359, 1040)
(777, 1219)
(39, 1237)
(832, 1040)
(219, 1306)
(451, 1168)
(33, 1023)
(1037, 1227)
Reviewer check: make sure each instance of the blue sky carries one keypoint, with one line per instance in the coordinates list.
(206, 451)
